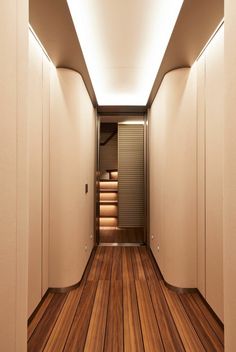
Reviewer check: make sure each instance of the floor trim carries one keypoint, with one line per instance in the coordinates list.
(181, 290)
(31, 317)
(211, 310)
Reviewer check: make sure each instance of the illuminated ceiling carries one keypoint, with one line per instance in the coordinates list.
(123, 43)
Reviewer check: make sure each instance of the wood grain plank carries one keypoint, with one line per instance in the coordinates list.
(40, 336)
(147, 264)
(89, 265)
(105, 273)
(115, 323)
(122, 304)
(219, 331)
(97, 326)
(116, 272)
(186, 331)
(154, 263)
(38, 316)
(78, 333)
(57, 339)
(169, 333)
(202, 327)
(96, 265)
(127, 266)
(150, 330)
(137, 264)
(133, 340)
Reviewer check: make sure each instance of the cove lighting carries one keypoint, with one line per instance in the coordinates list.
(123, 42)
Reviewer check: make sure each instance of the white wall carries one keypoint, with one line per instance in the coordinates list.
(210, 172)
(72, 158)
(61, 161)
(13, 175)
(172, 129)
(39, 104)
(186, 175)
(230, 177)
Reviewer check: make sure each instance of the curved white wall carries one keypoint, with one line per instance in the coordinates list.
(186, 175)
(230, 178)
(173, 177)
(72, 158)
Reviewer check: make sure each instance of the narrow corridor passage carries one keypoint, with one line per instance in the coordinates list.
(122, 304)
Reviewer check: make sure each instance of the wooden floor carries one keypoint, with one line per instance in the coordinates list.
(122, 304)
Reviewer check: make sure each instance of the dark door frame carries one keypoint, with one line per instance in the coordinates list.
(146, 178)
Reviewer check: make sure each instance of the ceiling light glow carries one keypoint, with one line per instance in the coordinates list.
(123, 43)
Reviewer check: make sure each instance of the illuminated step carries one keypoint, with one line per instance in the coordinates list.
(108, 185)
(108, 222)
(114, 175)
(108, 210)
(105, 196)
(108, 227)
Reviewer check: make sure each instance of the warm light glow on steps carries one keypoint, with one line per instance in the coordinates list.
(108, 222)
(108, 185)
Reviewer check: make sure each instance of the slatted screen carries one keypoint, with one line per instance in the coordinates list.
(131, 175)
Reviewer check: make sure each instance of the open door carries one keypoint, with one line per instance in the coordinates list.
(121, 180)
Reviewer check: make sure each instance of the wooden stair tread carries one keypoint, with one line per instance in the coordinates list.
(108, 202)
(104, 190)
(108, 216)
(109, 180)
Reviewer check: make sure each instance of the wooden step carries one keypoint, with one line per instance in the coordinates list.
(108, 180)
(107, 210)
(108, 202)
(108, 222)
(113, 174)
(107, 190)
(108, 184)
(108, 196)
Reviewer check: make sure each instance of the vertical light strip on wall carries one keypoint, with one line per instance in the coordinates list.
(131, 175)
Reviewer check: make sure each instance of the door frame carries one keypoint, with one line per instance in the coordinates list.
(146, 176)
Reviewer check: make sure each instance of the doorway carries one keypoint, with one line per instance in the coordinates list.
(121, 180)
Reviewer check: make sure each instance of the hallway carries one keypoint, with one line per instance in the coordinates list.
(122, 304)
(109, 242)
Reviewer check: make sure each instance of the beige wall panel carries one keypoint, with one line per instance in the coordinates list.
(46, 180)
(35, 172)
(201, 206)
(230, 178)
(87, 163)
(172, 184)
(39, 110)
(13, 171)
(72, 134)
(214, 172)
(22, 177)
(157, 176)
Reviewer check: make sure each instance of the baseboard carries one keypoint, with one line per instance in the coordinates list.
(61, 289)
(182, 290)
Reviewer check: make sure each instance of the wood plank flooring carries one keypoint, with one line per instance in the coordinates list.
(123, 305)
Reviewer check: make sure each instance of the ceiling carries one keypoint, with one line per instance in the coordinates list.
(123, 43)
(118, 52)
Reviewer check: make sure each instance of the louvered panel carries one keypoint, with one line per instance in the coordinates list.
(131, 175)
